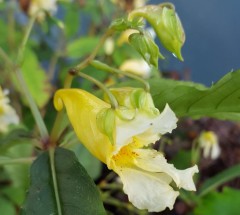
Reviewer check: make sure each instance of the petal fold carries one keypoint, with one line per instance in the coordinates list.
(148, 190)
(153, 161)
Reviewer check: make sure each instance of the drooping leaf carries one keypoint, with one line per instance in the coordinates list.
(219, 179)
(77, 192)
(225, 203)
(36, 78)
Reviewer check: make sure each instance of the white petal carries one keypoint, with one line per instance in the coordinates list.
(125, 130)
(206, 149)
(153, 161)
(148, 190)
(165, 122)
(215, 151)
(146, 127)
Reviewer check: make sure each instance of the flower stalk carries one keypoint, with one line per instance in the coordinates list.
(104, 67)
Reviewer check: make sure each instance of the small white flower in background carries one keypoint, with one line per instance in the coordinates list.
(37, 5)
(136, 66)
(208, 141)
(7, 113)
(109, 46)
(139, 3)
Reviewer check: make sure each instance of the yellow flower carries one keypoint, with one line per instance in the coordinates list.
(208, 141)
(119, 139)
(7, 113)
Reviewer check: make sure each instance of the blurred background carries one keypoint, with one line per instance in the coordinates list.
(212, 46)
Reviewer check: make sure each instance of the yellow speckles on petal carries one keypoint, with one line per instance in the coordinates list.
(126, 155)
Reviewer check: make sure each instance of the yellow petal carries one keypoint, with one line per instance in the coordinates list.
(82, 109)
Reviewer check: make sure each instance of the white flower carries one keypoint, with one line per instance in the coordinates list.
(37, 5)
(7, 113)
(208, 141)
(136, 66)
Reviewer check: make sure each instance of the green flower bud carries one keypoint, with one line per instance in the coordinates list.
(166, 24)
(146, 47)
(106, 122)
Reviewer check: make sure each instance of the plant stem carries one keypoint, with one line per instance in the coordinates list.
(86, 62)
(16, 160)
(54, 178)
(112, 99)
(57, 127)
(25, 39)
(106, 68)
(34, 109)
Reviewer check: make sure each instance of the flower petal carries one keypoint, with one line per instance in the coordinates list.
(82, 109)
(145, 126)
(215, 151)
(148, 190)
(153, 161)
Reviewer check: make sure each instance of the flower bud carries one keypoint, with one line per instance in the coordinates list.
(146, 47)
(166, 24)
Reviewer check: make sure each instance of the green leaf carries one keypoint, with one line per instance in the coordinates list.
(221, 101)
(17, 173)
(225, 203)
(6, 207)
(71, 18)
(77, 192)
(81, 47)
(36, 79)
(14, 137)
(92, 165)
(219, 179)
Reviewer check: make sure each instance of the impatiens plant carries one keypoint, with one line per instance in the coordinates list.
(112, 107)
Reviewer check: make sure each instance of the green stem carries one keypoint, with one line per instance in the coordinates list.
(86, 62)
(5, 57)
(195, 152)
(16, 160)
(57, 127)
(106, 68)
(34, 109)
(111, 97)
(11, 25)
(54, 178)
(25, 39)
(36, 114)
